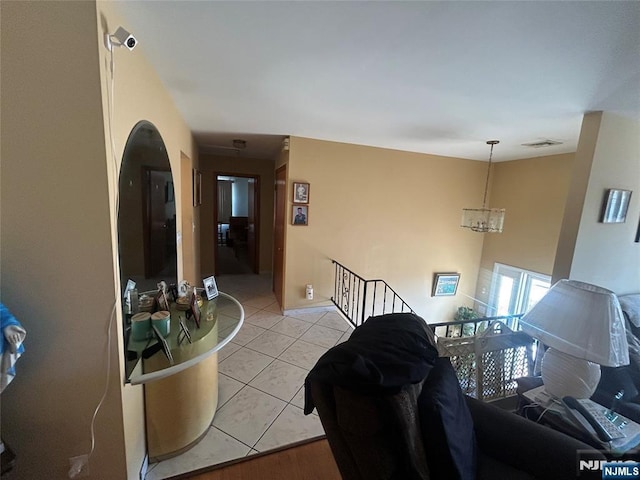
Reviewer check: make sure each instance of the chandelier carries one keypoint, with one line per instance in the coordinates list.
(484, 220)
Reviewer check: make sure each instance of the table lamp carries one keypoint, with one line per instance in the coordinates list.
(583, 326)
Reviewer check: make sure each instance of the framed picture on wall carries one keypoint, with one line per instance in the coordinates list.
(445, 284)
(615, 205)
(300, 215)
(197, 188)
(300, 192)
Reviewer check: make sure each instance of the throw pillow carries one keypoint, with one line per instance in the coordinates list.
(447, 426)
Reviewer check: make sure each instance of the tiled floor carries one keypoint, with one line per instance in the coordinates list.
(261, 376)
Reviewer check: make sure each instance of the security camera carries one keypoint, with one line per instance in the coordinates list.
(122, 37)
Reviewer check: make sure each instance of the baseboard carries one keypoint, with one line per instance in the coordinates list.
(316, 309)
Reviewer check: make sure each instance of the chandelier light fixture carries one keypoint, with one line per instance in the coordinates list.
(484, 220)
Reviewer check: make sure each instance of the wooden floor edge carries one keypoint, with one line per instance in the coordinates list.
(218, 466)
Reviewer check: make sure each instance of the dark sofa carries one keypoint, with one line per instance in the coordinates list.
(510, 447)
(626, 378)
(385, 420)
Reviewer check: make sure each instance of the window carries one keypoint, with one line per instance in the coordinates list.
(514, 290)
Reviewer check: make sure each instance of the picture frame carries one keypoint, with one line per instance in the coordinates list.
(210, 287)
(163, 343)
(445, 284)
(615, 206)
(162, 302)
(301, 192)
(184, 333)
(195, 309)
(197, 188)
(300, 215)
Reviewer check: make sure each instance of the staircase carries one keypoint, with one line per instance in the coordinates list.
(358, 299)
(488, 353)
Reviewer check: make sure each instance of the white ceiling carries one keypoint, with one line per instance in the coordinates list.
(434, 77)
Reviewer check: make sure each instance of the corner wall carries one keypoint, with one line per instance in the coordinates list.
(534, 192)
(606, 254)
(140, 95)
(56, 236)
(59, 272)
(384, 214)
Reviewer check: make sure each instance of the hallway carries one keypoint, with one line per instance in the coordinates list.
(261, 376)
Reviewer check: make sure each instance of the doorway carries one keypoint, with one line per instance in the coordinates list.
(237, 220)
(159, 224)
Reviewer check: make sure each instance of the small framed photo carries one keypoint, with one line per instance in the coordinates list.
(300, 192)
(195, 308)
(615, 206)
(210, 288)
(162, 302)
(197, 188)
(445, 284)
(300, 215)
(131, 285)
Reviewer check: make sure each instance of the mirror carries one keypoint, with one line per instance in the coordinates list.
(146, 215)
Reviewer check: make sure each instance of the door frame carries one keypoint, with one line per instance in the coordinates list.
(256, 207)
(279, 212)
(146, 215)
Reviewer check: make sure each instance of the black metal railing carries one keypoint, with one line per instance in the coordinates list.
(468, 328)
(358, 298)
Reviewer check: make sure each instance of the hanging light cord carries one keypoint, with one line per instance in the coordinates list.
(486, 184)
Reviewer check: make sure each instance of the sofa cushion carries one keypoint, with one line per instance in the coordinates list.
(614, 379)
(367, 433)
(490, 468)
(634, 354)
(446, 424)
(631, 307)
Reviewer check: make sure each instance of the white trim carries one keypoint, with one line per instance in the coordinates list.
(521, 276)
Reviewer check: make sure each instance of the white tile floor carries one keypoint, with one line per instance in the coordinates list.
(261, 376)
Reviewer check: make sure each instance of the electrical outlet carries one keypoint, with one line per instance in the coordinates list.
(79, 466)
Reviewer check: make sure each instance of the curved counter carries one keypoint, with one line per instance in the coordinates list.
(181, 397)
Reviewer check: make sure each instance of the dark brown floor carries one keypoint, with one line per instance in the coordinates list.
(310, 461)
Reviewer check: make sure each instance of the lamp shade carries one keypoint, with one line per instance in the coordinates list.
(581, 320)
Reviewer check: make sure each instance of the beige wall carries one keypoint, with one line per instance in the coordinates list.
(59, 240)
(606, 254)
(56, 235)
(209, 166)
(533, 191)
(382, 213)
(140, 95)
(575, 199)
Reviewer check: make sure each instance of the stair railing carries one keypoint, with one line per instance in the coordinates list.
(358, 298)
